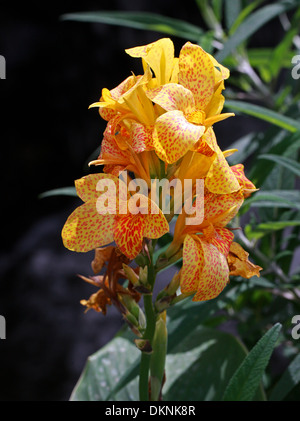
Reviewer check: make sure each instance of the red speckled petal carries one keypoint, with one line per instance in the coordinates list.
(128, 234)
(156, 224)
(193, 263)
(85, 229)
(109, 146)
(222, 240)
(141, 137)
(86, 187)
(196, 73)
(173, 136)
(220, 178)
(238, 171)
(220, 209)
(215, 274)
(173, 97)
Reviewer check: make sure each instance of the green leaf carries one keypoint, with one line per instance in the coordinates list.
(251, 24)
(265, 114)
(64, 191)
(232, 11)
(265, 228)
(289, 379)
(199, 367)
(103, 371)
(288, 163)
(275, 199)
(243, 14)
(286, 146)
(245, 381)
(245, 146)
(140, 20)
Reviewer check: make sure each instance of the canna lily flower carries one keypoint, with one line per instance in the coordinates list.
(192, 106)
(205, 270)
(92, 225)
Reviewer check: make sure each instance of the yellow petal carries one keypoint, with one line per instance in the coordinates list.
(156, 224)
(220, 178)
(86, 230)
(86, 187)
(173, 97)
(193, 263)
(221, 72)
(204, 271)
(220, 209)
(173, 136)
(215, 273)
(159, 56)
(196, 73)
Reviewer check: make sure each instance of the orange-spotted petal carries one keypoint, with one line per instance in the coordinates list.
(220, 178)
(129, 234)
(222, 239)
(91, 186)
(173, 97)
(220, 209)
(86, 230)
(238, 171)
(173, 136)
(215, 274)
(196, 73)
(193, 264)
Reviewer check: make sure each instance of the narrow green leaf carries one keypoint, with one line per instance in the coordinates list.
(217, 8)
(232, 11)
(140, 20)
(265, 114)
(288, 163)
(63, 191)
(289, 379)
(251, 24)
(243, 14)
(277, 225)
(286, 146)
(245, 381)
(275, 198)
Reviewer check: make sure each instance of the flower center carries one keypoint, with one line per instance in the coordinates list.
(196, 117)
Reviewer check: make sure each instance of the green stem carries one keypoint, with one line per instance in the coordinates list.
(149, 333)
(145, 359)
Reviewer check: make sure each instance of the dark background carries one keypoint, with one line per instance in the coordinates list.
(54, 70)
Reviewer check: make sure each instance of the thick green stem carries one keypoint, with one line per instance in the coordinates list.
(145, 359)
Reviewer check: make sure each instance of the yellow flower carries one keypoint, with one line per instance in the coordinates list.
(87, 228)
(192, 105)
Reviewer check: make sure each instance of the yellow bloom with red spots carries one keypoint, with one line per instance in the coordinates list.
(95, 224)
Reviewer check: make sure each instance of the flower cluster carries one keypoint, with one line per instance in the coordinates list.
(160, 127)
